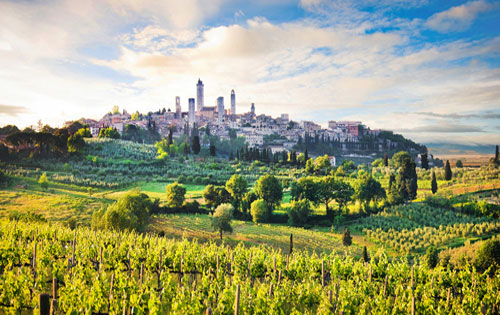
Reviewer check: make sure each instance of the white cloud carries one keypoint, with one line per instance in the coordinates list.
(457, 18)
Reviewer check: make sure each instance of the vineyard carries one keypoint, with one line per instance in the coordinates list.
(85, 272)
(410, 228)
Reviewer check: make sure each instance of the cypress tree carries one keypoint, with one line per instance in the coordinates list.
(425, 161)
(434, 185)
(496, 154)
(170, 140)
(306, 154)
(386, 160)
(196, 145)
(365, 255)
(447, 171)
(346, 238)
(392, 178)
(212, 150)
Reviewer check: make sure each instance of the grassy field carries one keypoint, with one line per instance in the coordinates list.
(59, 202)
(274, 235)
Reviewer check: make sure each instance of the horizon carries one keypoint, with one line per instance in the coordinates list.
(432, 65)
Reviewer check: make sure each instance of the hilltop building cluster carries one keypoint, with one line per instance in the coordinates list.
(221, 120)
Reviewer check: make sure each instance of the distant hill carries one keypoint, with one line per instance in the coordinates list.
(446, 149)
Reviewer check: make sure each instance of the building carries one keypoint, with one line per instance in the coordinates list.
(233, 103)
(310, 127)
(285, 117)
(199, 96)
(191, 112)
(220, 109)
(252, 109)
(178, 110)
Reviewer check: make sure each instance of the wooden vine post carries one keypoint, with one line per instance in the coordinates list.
(237, 301)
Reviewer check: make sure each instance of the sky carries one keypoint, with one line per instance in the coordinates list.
(429, 70)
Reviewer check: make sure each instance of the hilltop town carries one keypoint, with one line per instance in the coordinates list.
(260, 131)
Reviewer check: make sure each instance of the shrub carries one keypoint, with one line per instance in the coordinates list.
(130, 212)
(299, 212)
(488, 256)
(72, 223)
(191, 207)
(258, 210)
(43, 181)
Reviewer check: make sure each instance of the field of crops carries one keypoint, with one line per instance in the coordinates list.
(414, 227)
(108, 272)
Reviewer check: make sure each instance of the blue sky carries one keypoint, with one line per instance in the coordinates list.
(427, 69)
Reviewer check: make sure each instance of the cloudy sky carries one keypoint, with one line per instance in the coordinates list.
(427, 69)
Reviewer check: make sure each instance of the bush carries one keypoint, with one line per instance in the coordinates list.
(488, 256)
(191, 207)
(258, 210)
(299, 212)
(27, 217)
(130, 212)
(72, 223)
(43, 181)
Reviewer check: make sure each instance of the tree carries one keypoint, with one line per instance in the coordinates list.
(346, 237)
(299, 212)
(386, 160)
(115, 109)
(258, 210)
(365, 255)
(343, 194)
(43, 181)
(496, 155)
(175, 195)
(431, 257)
(310, 166)
(488, 256)
(447, 171)
(269, 188)
(4, 152)
(84, 132)
(327, 187)
(221, 220)
(130, 212)
(75, 143)
(459, 164)
(196, 145)
(237, 186)
(306, 188)
(170, 136)
(212, 150)
(424, 161)
(109, 133)
(215, 196)
(434, 186)
(368, 189)
(247, 200)
(406, 186)
(4, 180)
